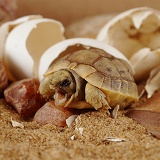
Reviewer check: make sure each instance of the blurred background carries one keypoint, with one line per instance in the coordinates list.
(68, 11)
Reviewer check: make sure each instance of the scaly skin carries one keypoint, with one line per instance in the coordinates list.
(91, 76)
(63, 86)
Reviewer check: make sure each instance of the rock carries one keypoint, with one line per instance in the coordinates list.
(49, 113)
(24, 97)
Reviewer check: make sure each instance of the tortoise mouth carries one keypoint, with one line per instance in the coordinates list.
(60, 98)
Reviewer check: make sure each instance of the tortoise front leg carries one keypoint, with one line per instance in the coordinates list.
(96, 97)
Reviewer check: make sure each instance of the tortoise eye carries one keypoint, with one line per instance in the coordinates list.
(65, 83)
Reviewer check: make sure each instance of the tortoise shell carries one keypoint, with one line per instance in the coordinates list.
(111, 75)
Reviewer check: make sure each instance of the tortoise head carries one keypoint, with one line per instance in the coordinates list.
(63, 86)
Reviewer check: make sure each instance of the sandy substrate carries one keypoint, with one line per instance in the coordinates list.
(85, 139)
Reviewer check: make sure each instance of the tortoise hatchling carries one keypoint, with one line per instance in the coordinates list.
(89, 78)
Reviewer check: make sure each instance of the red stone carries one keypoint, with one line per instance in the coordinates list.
(24, 97)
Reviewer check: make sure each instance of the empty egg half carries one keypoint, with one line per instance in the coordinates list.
(24, 41)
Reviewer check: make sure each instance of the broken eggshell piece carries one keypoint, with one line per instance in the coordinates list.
(62, 48)
(153, 82)
(144, 61)
(139, 29)
(8, 26)
(23, 46)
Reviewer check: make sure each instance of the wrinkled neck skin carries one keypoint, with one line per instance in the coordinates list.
(80, 86)
(50, 89)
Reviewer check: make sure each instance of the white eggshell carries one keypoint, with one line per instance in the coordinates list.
(153, 82)
(58, 50)
(5, 28)
(144, 61)
(102, 35)
(142, 21)
(26, 43)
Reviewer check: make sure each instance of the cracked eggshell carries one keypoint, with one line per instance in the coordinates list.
(132, 30)
(153, 82)
(8, 26)
(144, 61)
(62, 48)
(25, 44)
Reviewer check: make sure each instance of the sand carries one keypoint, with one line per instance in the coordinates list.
(85, 139)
